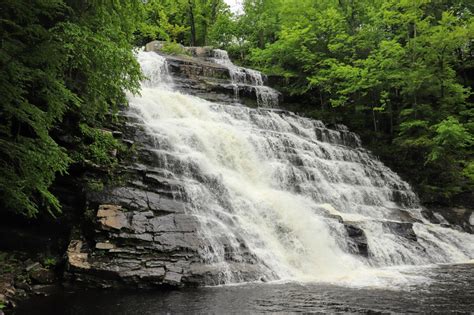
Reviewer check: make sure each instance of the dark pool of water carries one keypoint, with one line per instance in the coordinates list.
(449, 289)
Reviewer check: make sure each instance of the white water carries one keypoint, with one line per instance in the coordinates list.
(266, 96)
(270, 181)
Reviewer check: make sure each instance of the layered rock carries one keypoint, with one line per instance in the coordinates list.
(200, 74)
(143, 234)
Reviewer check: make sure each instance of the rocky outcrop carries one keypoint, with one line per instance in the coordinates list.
(22, 277)
(357, 240)
(198, 74)
(460, 218)
(403, 229)
(143, 234)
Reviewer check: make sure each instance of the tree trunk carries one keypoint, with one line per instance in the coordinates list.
(374, 119)
(323, 108)
(192, 22)
(391, 121)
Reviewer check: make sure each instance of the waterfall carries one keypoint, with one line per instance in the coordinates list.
(266, 96)
(285, 192)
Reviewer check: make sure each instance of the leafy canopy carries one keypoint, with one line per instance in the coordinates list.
(64, 63)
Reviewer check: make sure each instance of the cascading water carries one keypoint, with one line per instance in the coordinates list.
(278, 190)
(266, 96)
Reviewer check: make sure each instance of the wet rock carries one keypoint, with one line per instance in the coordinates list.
(140, 236)
(130, 264)
(172, 278)
(429, 215)
(154, 264)
(44, 289)
(140, 222)
(358, 240)
(177, 240)
(76, 257)
(42, 276)
(23, 285)
(460, 218)
(155, 46)
(403, 229)
(148, 214)
(174, 268)
(154, 275)
(202, 274)
(200, 52)
(117, 134)
(104, 246)
(136, 199)
(173, 223)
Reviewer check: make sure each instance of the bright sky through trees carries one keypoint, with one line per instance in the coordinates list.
(235, 5)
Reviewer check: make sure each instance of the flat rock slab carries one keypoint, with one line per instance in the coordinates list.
(112, 217)
(172, 278)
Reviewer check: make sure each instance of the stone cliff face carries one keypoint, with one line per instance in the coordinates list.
(143, 236)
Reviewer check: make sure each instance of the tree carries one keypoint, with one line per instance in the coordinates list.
(59, 60)
(188, 22)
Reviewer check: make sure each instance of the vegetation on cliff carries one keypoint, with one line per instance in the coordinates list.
(65, 66)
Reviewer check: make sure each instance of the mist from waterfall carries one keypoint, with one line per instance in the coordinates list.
(281, 187)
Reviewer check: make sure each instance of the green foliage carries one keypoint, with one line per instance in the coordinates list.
(95, 185)
(189, 22)
(163, 21)
(100, 147)
(50, 262)
(9, 263)
(451, 138)
(34, 98)
(59, 59)
(468, 171)
(172, 48)
(90, 215)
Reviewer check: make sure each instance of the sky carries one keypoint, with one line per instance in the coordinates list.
(235, 5)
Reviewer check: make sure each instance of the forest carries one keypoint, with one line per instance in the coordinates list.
(399, 73)
(319, 153)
